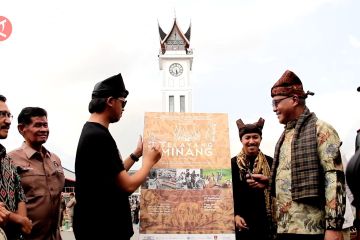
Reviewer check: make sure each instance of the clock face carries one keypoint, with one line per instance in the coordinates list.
(176, 69)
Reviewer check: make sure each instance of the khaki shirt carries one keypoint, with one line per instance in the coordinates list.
(43, 180)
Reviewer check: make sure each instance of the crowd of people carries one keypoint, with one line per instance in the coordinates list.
(299, 193)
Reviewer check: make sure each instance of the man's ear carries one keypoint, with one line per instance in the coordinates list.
(109, 101)
(21, 128)
(296, 99)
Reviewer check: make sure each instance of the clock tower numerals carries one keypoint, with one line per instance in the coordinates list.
(176, 69)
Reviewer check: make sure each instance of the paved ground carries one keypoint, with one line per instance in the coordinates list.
(69, 235)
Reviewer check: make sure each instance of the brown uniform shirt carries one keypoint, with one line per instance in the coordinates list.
(42, 178)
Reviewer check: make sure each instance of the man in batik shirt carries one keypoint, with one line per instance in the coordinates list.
(12, 198)
(307, 176)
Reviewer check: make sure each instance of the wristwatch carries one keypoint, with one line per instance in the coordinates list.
(134, 157)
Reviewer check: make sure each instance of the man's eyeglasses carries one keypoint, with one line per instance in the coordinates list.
(123, 102)
(4, 114)
(276, 102)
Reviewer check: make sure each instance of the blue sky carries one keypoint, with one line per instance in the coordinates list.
(59, 50)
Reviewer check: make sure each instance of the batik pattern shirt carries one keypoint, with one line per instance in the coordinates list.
(11, 191)
(300, 218)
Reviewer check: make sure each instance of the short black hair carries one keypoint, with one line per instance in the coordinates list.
(97, 105)
(2, 98)
(28, 112)
(302, 101)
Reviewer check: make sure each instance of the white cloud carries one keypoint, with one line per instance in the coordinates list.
(354, 41)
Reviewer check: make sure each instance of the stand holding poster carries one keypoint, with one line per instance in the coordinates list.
(188, 193)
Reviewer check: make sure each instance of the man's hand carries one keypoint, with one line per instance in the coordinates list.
(153, 155)
(258, 181)
(139, 147)
(4, 214)
(333, 235)
(26, 225)
(240, 223)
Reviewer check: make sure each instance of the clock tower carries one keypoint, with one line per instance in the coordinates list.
(175, 62)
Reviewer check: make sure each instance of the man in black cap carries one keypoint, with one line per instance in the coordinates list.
(101, 173)
(307, 177)
(352, 179)
(252, 209)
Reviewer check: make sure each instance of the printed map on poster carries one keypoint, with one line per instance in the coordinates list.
(188, 193)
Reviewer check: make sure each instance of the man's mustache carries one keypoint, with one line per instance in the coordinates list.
(5, 126)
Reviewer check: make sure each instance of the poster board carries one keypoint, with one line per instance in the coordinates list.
(188, 193)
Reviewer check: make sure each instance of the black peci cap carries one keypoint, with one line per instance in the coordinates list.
(111, 87)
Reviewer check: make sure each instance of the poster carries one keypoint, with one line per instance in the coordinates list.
(188, 193)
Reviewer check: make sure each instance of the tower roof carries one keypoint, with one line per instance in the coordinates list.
(175, 39)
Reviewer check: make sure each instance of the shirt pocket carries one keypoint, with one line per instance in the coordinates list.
(33, 182)
(56, 182)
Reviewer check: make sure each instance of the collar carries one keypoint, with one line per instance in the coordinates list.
(32, 153)
(2, 151)
(290, 125)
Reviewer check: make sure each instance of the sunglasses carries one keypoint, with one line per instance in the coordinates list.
(123, 102)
